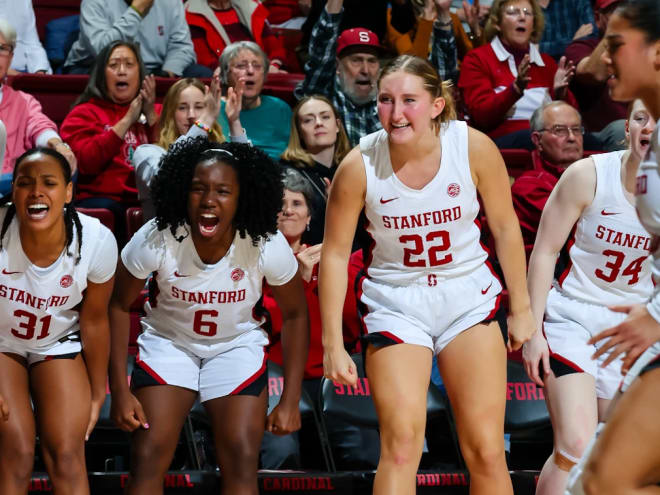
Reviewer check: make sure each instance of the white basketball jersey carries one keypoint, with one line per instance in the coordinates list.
(609, 252)
(39, 306)
(425, 234)
(194, 303)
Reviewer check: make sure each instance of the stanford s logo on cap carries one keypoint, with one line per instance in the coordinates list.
(358, 37)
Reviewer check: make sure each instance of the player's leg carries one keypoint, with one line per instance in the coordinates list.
(399, 380)
(572, 404)
(62, 400)
(166, 408)
(17, 434)
(473, 369)
(626, 457)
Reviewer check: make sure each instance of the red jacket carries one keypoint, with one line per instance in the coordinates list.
(253, 16)
(350, 320)
(486, 83)
(104, 160)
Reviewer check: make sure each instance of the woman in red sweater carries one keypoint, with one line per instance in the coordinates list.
(504, 81)
(114, 115)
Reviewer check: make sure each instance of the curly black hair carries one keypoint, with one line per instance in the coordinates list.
(261, 190)
(71, 218)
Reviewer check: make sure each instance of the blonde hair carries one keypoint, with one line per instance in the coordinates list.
(168, 130)
(433, 84)
(495, 19)
(296, 152)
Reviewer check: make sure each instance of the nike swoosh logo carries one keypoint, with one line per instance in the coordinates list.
(383, 201)
(483, 291)
(603, 212)
(178, 275)
(5, 272)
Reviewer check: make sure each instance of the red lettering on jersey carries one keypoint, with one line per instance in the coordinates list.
(600, 232)
(617, 238)
(386, 222)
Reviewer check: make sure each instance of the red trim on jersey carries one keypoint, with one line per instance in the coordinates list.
(149, 370)
(567, 270)
(253, 378)
(369, 257)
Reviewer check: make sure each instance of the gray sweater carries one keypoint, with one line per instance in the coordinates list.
(163, 35)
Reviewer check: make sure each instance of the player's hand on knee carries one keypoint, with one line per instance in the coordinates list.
(631, 337)
(4, 409)
(127, 413)
(94, 412)
(521, 327)
(536, 352)
(284, 419)
(339, 367)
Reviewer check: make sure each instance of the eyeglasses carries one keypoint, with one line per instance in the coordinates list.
(562, 131)
(517, 12)
(256, 66)
(6, 50)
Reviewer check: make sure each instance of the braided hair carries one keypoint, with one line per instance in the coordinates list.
(71, 218)
(261, 191)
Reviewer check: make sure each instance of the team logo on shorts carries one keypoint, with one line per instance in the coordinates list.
(237, 274)
(453, 190)
(66, 281)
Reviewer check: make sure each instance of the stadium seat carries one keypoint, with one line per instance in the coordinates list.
(105, 216)
(134, 220)
(517, 161)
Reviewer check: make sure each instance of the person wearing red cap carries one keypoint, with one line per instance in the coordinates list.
(344, 68)
(603, 117)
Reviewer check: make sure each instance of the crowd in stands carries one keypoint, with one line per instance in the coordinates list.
(526, 72)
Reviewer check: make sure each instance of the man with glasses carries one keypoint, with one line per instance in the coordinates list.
(266, 119)
(558, 135)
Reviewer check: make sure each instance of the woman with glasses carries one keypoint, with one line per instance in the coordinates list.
(26, 124)
(504, 81)
(609, 266)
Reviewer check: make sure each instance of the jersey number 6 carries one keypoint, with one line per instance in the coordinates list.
(206, 328)
(418, 248)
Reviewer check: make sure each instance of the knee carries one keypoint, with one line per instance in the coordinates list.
(67, 459)
(401, 444)
(598, 481)
(484, 456)
(18, 460)
(149, 456)
(240, 455)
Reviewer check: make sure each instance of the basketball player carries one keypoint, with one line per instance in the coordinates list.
(609, 266)
(211, 244)
(428, 289)
(57, 270)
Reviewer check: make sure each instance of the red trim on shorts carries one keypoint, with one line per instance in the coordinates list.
(149, 370)
(390, 336)
(567, 270)
(252, 379)
(492, 314)
(567, 362)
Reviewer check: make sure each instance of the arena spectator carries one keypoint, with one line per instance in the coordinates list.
(434, 35)
(601, 114)
(504, 81)
(158, 27)
(353, 447)
(3, 140)
(288, 13)
(345, 69)
(26, 125)
(189, 110)
(29, 55)
(115, 114)
(317, 144)
(266, 118)
(413, 26)
(557, 135)
(565, 21)
(214, 24)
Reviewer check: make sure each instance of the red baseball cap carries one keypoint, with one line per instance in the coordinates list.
(358, 37)
(603, 4)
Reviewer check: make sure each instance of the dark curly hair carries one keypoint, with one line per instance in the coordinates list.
(261, 191)
(71, 218)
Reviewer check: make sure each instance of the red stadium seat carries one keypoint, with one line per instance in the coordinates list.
(47, 10)
(105, 216)
(517, 161)
(134, 220)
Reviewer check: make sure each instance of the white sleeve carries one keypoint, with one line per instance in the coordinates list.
(143, 253)
(104, 257)
(278, 262)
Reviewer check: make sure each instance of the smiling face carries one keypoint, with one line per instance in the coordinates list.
(292, 221)
(317, 125)
(40, 191)
(212, 202)
(631, 61)
(190, 106)
(639, 127)
(405, 108)
(122, 75)
(358, 73)
(516, 24)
